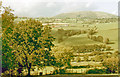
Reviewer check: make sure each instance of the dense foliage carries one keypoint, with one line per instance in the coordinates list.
(31, 43)
(96, 71)
(7, 27)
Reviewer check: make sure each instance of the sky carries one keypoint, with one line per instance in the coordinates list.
(49, 8)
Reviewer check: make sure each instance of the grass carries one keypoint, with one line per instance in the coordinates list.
(78, 40)
(107, 30)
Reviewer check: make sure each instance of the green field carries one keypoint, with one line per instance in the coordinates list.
(78, 40)
(107, 30)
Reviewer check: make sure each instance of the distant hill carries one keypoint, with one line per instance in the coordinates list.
(86, 14)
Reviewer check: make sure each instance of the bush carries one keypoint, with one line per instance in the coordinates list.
(100, 38)
(62, 71)
(96, 71)
(106, 41)
(90, 36)
(78, 59)
(77, 67)
(91, 32)
(55, 72)
(108, 47)
(94, 38)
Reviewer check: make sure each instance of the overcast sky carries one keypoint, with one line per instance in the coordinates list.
(48, 8)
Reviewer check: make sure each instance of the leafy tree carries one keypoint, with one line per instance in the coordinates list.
(31, 43)
(7, 27)
(92, 31)
(63, 56)
(100, 38)
(106, 41)
(0, 39)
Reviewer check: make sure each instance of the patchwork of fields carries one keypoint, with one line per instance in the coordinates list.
(106, 30)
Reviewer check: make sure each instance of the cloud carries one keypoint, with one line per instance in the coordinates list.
(41, 8)
(78, 6)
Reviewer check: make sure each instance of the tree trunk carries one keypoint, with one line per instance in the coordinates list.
(29, 67)
(28, 71)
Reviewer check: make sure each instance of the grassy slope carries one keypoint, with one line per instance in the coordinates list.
(78, 40)
(110, 31)
(86, 14)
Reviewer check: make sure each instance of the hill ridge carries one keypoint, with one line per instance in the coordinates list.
(86, 14)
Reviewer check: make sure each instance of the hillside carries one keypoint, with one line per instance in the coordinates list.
(85, 14)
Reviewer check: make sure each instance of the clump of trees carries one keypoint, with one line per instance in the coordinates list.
(111, 64)
(74, 32)
(99, 39)
(90, 48)
(100, 20)
(67, 33)
(92, 31)
(63, 56)
(91, 35)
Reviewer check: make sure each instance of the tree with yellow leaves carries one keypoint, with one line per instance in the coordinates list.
(31, 43)
(7, 27)
(63, 56)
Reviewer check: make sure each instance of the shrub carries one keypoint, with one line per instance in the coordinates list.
(94, 38)
(62, 71)
(90, 36)
(78, 59)
(106, 41)
(108, 47)
(96, 71)
(77, 67)
(91, 32)
(103, 46)
(55, 72)
(100, 38)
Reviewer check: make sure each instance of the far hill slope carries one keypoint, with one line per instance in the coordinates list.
(85, 14)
